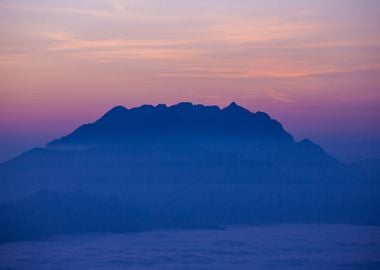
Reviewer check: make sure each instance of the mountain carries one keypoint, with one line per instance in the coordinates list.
(184, 120)
(181, 143)
(196, 164)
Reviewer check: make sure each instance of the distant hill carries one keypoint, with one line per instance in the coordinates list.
(47, 213)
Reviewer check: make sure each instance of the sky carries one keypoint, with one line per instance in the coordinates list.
(314, 65)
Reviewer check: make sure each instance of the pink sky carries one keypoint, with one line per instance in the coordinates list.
(313, 65)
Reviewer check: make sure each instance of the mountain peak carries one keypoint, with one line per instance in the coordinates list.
(234, 107)
(161, 106)
(118, 108)
(184, 105)
(233, 104)
(114, 114)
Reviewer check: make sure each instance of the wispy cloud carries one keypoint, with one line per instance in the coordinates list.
(248, 30)
(133, 53)
(273, 72)
(53, 9)
(109, 10)
(110, 50)
(280, 95)
(12, 59)
(64, 41)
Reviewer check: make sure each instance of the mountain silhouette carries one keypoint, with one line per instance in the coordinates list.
(183, 142)
(183, 119)
(191, 165)
(180, 143)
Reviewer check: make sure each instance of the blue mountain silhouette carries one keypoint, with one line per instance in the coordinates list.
(184, 166)
(183, 119)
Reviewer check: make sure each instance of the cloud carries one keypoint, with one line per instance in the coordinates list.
(222, 41)
(64, 41)
(132, 53)
(249, 30)
(12, 59)
(272, 69)
(281, 96)
(108, 10)
(110, 50)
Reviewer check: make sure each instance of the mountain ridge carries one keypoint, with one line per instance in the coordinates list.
(183, 118)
